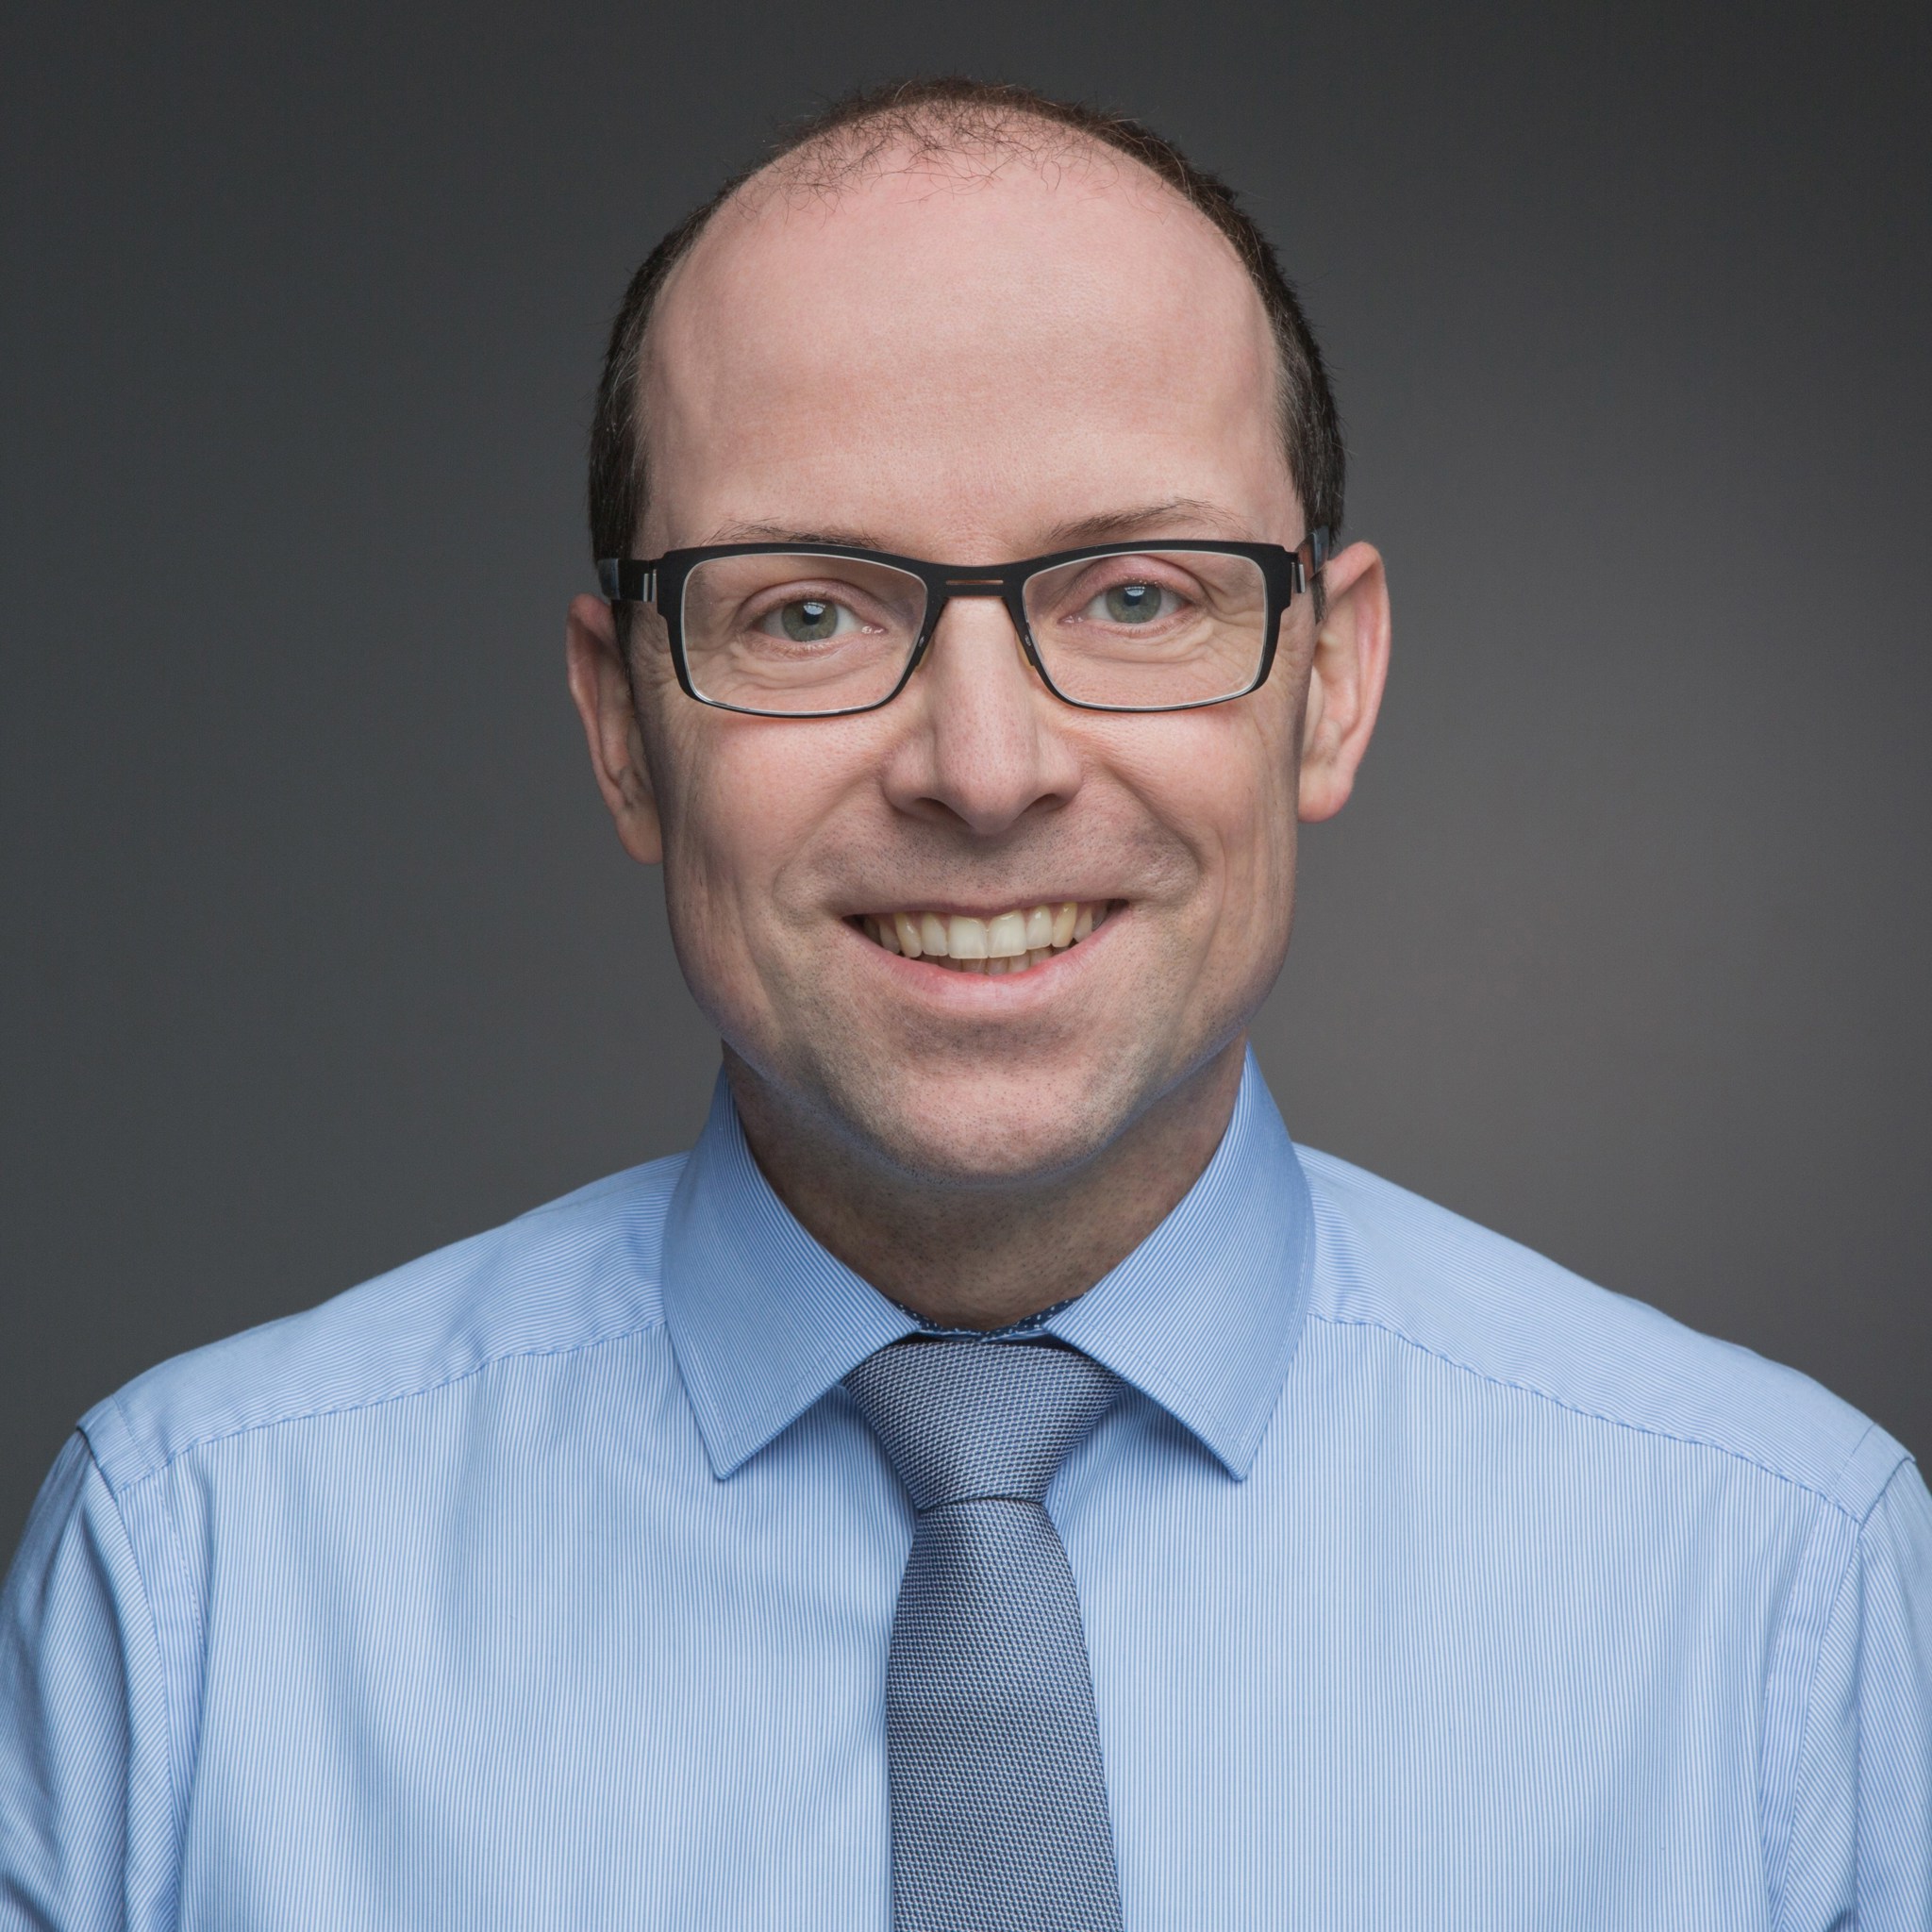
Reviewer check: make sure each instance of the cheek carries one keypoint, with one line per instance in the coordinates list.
(719, 858)
(1225, 779)
(745, 805)
(1253, 812)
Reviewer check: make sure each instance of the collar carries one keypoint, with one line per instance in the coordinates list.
(1202, 1318)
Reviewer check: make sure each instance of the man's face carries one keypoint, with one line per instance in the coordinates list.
(972, 372)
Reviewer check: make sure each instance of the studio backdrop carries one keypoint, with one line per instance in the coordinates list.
(319, 951)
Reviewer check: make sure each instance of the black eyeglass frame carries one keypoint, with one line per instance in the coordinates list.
(659, 581)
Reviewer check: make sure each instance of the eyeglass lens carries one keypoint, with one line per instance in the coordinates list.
(803, 635)
(1150, 629)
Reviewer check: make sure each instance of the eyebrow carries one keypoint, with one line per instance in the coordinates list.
(1146, 520)
(1105, 526)
(777, 533)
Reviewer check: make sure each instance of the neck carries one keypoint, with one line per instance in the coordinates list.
(980, 1256)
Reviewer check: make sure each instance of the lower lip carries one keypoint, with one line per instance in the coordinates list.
(975, 989)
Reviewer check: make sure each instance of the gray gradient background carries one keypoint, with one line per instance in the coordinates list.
(319, 951)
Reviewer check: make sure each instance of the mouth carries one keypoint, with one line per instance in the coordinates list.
(1020, 941)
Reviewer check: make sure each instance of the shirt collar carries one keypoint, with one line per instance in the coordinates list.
(1203, 1317)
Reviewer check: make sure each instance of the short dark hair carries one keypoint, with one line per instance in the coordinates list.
(937, 117)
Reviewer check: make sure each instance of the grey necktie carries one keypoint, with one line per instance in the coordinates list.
(999, 1808)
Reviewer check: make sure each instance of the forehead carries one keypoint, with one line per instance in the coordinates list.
(960, 346)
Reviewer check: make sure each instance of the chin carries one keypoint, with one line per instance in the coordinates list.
(958, 1132)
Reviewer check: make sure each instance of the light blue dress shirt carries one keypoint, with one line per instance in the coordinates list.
(546, 1583)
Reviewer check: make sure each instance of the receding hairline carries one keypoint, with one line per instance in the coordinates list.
(969, 142)
(968, 131)
(950, 146)
(817, 175)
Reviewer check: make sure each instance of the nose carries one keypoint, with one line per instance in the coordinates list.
(982, 743)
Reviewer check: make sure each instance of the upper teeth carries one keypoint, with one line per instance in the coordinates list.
(1008, 941)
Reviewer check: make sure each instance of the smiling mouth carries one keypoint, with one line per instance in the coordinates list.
(1014, 942)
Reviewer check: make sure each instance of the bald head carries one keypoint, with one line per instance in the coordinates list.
(950, 136)
(966, 331)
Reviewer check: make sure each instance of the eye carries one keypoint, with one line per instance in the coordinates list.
(808, 620)
(1133, 603)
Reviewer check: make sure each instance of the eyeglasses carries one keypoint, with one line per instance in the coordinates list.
(814, 630)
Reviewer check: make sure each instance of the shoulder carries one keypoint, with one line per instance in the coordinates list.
(1485, 1306)
(566, 1276)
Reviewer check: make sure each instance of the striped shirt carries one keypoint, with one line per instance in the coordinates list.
(546, 1583)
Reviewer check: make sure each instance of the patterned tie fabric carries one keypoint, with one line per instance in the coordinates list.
(999, 1810)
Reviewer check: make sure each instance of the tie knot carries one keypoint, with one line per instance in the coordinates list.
(966, 1419)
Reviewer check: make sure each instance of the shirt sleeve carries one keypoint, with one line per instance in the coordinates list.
(85, 1809)
(1862, 1847)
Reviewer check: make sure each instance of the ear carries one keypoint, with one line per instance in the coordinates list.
(601, 688)
(1349, 667)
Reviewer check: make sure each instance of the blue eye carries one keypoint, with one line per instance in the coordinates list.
(808, 620)
(1133, 604)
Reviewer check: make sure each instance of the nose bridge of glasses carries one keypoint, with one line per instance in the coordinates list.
(986, 585)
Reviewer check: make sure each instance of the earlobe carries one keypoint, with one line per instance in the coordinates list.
(600, 687)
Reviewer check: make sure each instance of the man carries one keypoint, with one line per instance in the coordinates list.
(996, 1480)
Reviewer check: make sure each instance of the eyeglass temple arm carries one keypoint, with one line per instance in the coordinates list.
(1316, 544)
(624, 580)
